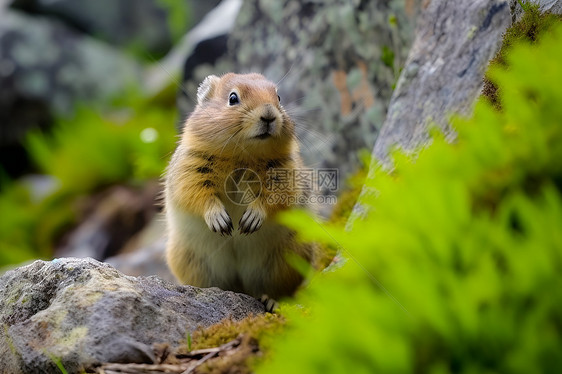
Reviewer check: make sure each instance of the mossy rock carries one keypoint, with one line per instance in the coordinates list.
(533, 23)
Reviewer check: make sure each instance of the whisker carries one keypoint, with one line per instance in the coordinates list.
(216, 132)
(286, 74)
(297, 110)
(326, 139)
(227, 140)
(170, 75)
(297, 100)
(301, 141)
(236, 145)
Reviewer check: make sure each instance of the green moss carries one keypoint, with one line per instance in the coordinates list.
(531, 25)
(257, 334)
(264, 326)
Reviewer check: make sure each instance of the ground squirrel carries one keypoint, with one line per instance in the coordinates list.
(220, 211)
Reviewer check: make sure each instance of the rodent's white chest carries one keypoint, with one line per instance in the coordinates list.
(227, 257)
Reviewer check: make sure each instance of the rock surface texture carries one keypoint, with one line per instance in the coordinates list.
(83, 312)
(335, 61)
(443, 74)
(553, 6)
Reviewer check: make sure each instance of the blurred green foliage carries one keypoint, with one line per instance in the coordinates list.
(179, 20)
(17, 214)
(458, 265)
(387, 56)
(127, 144)
(92, 150)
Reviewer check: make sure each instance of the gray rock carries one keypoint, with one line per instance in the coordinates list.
(443, 74)
(553, 6)
(516, 10)
(335, 61)
(83, 312)
(144, 25)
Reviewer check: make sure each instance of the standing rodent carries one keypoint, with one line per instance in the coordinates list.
(238, 124)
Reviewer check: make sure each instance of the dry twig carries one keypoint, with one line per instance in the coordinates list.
(188, 362)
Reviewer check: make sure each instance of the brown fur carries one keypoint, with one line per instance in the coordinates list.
(219, 138)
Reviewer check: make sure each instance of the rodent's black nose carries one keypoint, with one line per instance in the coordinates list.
(267, 120)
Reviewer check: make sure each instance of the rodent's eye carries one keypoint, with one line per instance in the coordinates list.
(233, 99)
(279, 98)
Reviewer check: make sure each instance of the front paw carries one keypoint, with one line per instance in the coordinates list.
(219, 221)
(251, 220)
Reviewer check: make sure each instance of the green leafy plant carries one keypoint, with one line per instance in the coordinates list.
(457, 266)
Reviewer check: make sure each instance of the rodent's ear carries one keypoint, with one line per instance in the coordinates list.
(206, 88)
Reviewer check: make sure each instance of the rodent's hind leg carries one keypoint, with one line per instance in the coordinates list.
(186, 266)
(217, 218)
(252, 219)
(271, 305)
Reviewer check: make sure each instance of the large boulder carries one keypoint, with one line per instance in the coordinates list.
(336, 63)
(443, 75)
(80, 312)
(444, 71)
